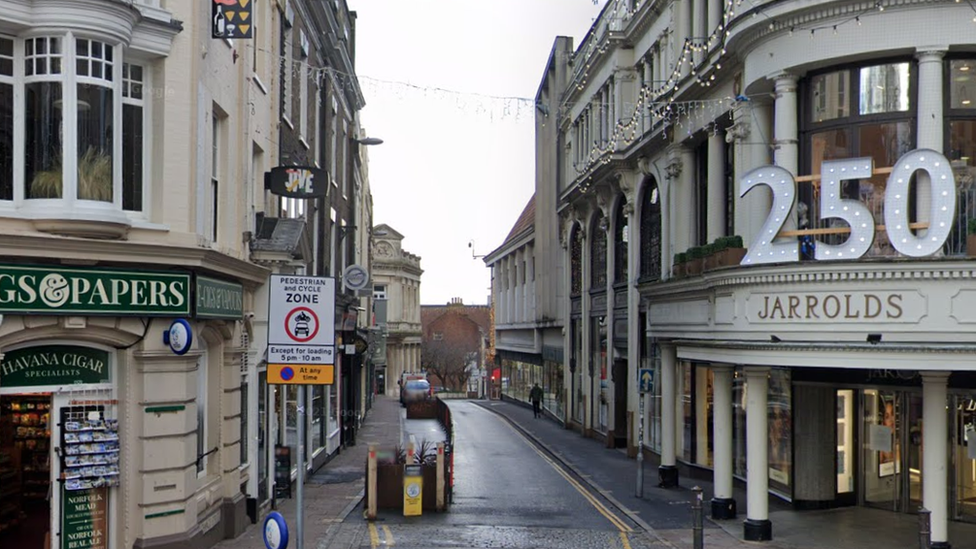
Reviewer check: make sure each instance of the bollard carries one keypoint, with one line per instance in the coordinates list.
(696, 518)
(924, 528)
(371, 483)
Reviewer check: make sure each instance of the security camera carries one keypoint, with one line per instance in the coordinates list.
(249, 315)
(469, 244)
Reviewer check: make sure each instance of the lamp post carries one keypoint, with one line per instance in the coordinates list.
(369, 141)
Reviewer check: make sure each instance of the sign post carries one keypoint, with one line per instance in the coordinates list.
(301, 351)
(645, 380)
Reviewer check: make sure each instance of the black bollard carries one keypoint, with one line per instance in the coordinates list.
(696, 518)
(924, 528)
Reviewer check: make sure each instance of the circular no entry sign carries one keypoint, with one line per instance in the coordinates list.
(301, 324)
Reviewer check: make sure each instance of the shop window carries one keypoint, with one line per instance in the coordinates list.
(855, 112)
(576, 258)
(318, 417)
(961, 147)
(333, 409)
(779, 408)
(6, 119)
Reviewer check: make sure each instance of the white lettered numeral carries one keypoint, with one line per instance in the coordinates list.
(856, 214)
(943, 205)
(763, 249)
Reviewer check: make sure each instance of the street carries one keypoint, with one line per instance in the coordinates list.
(508, 493)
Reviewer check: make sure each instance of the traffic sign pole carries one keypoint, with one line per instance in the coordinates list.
(300, 495)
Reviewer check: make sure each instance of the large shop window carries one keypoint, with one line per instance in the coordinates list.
(598, 253)
(779, 410)
(856, 112)
(72, 117)
(650, 233)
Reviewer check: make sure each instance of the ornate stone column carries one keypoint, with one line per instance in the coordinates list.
(716, 186)
(723, 502)
(757, 526)
(785, 131)
(935, 455)
(930, 121)
(668, 471)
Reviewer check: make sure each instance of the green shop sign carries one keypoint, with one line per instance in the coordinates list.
(53, 365)
(84, 519)
(219, 299)
(68, 290)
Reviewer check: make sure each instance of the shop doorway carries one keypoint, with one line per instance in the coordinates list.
(25, 470)
(964, 456)
(892, 453)
(620, 403)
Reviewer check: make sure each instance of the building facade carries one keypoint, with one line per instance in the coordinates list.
(454, 346)
(839, 330)
(396, 294)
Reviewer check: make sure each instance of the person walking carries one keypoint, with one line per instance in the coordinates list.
(535, 395)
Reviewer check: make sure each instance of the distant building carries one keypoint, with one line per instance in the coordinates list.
(396, 290)
(461, 328)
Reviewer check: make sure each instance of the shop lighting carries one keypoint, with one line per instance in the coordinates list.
(874, 338)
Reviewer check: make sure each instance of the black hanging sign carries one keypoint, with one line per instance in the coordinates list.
(297, 181)
(231, 19)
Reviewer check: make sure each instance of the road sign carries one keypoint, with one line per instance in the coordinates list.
(413, 490)
(303, 374)
(301, 320)
(645, 379)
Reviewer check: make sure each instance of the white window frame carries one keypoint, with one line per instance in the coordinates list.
(303, 103)
(216, 174)
(127, 99)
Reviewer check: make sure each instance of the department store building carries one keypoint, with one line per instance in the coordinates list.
(838, 140)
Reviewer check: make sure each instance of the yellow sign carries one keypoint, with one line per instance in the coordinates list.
(413, 491)
(301, 374)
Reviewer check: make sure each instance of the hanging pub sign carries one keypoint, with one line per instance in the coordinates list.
(297, 181)
(231, 19)
(767, 248)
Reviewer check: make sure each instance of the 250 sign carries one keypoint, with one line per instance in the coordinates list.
(942, 209)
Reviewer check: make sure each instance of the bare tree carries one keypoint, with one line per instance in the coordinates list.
(448, 360)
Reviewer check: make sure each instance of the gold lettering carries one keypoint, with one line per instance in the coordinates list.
(764, 312)
(869, 300)
(894, 301)
(836, 305)
(777, 306)
(794, 303)
(848, 308)
(812, 302)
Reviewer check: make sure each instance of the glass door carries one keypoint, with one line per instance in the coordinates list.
(881, 456)
(846, 428)
(964, 449)
(913, 455)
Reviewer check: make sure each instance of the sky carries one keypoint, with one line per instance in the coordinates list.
(449, 86)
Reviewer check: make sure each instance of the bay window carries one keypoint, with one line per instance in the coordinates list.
(961, 146)
(81, 120)
(849, 113)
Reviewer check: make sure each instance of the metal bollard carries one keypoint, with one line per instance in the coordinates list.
(924, 528)
(696, 518)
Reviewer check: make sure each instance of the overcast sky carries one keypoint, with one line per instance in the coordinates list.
(442, 81)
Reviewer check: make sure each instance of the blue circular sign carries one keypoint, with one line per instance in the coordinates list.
(180, 336)
(275, 531)
(287, 373)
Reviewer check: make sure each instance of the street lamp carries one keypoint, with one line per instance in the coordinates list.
(369, 141)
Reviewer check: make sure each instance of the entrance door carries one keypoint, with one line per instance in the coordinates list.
(620, 403)
(892, 457)
(846, 449)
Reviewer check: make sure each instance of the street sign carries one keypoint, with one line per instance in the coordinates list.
(301, 322)
(645, 379)
(308, 374)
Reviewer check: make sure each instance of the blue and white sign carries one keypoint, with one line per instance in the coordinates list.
(179, 337)
(275, 531)
(645, 379)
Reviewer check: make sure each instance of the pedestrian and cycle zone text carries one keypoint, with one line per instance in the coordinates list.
(301, 330)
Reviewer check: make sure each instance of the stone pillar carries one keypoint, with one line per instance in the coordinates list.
(930, 123)
(723, 502)
(715, 10)
(752, 210)
(757, 526)
(668, 471)
(689, 198)
(682, 19)
(665, 196)
(785, 132)
(698, 31)
(716, 186)
(634, 331)
(935, 456)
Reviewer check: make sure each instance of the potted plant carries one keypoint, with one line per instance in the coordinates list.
(732, 251)
(678, 268)
(695, 256)
(971, 238)
(714, 254)
(94, 178)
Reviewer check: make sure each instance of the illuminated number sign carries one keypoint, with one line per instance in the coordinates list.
(942, 208)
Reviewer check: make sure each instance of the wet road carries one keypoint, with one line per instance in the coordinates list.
(508, 494)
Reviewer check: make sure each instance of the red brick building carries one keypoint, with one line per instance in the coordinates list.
(455, 339)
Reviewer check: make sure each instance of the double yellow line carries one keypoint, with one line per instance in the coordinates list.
(374, 536)
(600, 507)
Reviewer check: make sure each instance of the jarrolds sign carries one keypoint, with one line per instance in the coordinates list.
(837, 307)
(69, 290)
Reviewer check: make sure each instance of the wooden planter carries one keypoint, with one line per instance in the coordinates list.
(693, 267)
(678, 271)
(971, 245)
(732, 257)
(389, 486)
(426, 409)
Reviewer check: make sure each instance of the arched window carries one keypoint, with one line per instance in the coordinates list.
(650, 231)
(620, 244)
(576, 256)
(598, 253)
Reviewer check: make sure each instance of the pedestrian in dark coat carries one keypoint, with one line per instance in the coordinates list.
(535, 395)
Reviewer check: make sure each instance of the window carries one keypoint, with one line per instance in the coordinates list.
(288, 76)
(303, 99)
(598, 254)
(244, 416)
(620, 245)
(576, 255)
(6, 119)
(379, 291)
(855, 112)
(961, 146)
(94, 63)
(650, 229)
(215, 172)
(44, 108)
(438, 336)
(132, 137)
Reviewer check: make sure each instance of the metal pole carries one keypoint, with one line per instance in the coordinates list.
(299, 504)
(696, 518)
(640, 447)
(924, 528)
